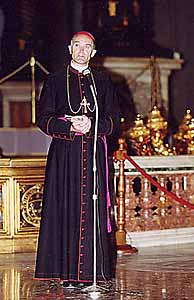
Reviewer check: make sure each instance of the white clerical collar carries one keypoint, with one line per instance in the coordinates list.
(78, 67)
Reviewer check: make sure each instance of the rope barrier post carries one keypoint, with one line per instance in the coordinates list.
(33, 91)
(122, 247)
(32, 64)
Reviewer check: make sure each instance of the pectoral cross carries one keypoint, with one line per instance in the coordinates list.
(85, 104)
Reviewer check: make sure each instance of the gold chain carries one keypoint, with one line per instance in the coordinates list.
(81, 104)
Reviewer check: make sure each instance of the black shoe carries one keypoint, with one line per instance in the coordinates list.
(82, 285)
(69, 285)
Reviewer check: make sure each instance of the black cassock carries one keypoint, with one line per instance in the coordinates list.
(65, 248)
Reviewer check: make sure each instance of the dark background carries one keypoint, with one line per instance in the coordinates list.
(153, 27)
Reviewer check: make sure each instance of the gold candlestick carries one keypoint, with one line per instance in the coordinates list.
(182, 137)
(139, 135)
(156, 121)
(190, 137)
(139, 130)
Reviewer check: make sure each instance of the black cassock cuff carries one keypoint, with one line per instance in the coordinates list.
(60, 129)
(105, 126)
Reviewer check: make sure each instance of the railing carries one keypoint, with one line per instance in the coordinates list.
(145, 207)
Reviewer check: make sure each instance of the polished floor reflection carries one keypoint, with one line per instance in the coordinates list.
(154, 273)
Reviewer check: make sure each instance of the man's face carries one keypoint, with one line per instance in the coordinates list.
(82, 46)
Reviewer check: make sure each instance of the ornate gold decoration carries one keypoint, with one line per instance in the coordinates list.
(183, 138)
(112, 8)
(183, 127)
(156, 121)
(4, 202)
(159, 147)
(190, 137)
(140, 136)
(148, 139)
(1, 206)
(158, 130)
(21, 189)
(139, 130)
(31, 205)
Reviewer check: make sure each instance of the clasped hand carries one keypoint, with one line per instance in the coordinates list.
(80, 124)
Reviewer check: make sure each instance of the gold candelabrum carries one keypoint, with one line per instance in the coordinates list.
(139, 135)
(147, 139)
(189, 136)
(158, 130)
(156, 122)
(139, 131)
(183, 137)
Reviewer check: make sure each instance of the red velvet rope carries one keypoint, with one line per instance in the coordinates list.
(155, 183)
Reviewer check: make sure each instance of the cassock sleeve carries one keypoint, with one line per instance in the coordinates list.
(47, 119)
(109, 114)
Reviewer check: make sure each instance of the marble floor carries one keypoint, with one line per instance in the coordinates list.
(152, 274)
